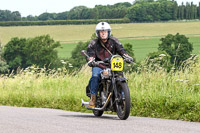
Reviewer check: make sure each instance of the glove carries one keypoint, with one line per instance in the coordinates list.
(128, 59)
(91, 62)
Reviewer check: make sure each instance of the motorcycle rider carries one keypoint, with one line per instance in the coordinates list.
(98, 49)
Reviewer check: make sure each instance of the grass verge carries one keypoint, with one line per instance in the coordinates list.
(153, 94)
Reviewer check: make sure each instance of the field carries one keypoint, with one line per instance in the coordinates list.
(141, 47)
(144, 36)
(76, 33)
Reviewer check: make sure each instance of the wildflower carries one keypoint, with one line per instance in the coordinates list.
(181, 80)
(173, 68)
(63, 62)
(70, 65)
(32, 67)
(162, 55)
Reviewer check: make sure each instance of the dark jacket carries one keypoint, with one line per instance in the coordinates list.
(96, 50)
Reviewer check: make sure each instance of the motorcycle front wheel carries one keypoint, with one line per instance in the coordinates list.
(124, 103)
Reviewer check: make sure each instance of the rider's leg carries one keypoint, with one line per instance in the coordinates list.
(94, 83)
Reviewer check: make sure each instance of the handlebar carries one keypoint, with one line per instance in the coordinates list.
(100, 62)
(84, 53)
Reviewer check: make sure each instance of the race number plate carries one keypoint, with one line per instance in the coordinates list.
(117, 64)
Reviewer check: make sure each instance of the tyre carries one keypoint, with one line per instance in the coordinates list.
(124, 103)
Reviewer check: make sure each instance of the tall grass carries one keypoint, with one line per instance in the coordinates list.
(153, 93)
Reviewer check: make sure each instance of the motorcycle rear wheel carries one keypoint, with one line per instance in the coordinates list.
(124, 103)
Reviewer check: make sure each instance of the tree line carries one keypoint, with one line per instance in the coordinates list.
(138, 11)
(162, 10)
(63, 22)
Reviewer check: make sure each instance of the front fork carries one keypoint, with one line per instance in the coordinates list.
(116, 100)
(114, 80)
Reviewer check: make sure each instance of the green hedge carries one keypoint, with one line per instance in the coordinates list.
(62, 22)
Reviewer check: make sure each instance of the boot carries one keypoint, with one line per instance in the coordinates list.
(92, 100)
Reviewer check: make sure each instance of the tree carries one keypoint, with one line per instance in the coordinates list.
(137, 13)
(130, 67)
(187, 11)
(75, 13)
(166, 10)
(6, 15)
(47, 16)
(30, 18)
(198, 11)
(14, 53)
(181, 13)
(3, 64)
(62, 16)
(39, 51)
(175, 10)
(177, 46)
(16, 16)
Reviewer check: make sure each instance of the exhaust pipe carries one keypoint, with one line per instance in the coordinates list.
(86, 104)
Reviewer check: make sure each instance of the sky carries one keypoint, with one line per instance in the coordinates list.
(37, 7)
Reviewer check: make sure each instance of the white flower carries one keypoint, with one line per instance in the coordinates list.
(70, 65)
(180, 80)
(162, 55)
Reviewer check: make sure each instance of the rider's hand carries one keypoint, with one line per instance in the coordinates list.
(91, 62)
(128, 58)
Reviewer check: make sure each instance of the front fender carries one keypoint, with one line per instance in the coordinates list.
(121, 79)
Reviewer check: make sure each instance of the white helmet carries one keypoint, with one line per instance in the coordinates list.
(103, 26)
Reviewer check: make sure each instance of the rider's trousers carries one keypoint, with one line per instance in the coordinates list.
(94, 80)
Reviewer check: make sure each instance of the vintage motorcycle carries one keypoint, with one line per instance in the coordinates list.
(113, 92)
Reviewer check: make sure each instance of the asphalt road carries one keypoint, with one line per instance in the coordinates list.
(40, 120)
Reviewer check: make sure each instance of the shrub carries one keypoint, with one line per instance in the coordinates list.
(39, 51)
(158, 60)
(3, 64)
(178, 47)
